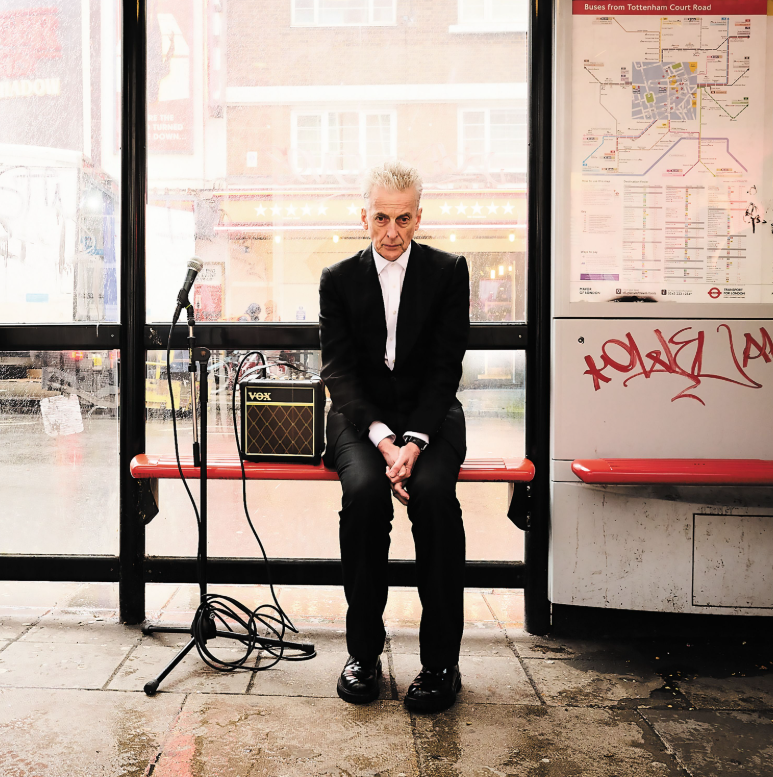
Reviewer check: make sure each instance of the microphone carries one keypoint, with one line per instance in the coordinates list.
(194, 268)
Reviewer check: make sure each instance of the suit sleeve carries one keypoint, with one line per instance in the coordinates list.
(445, 351)
(339, 366)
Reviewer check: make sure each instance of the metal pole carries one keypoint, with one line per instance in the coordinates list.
(132, 374)
(538, 354)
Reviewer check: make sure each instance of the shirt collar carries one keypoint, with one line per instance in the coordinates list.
(382, 263)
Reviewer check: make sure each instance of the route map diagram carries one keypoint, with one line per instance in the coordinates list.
(667, 156)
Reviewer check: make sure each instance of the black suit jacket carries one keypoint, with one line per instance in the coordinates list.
(433, 324)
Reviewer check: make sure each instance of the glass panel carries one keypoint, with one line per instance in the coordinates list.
(300, 519)
(304, 11)
(506, 10)
(59, 452)
(378, 139)
(383, 11)
(343, 141)
(473, 136)
(267, 191)
(506, 136)
(310, 142)
(59, 162)
(472, 10)
(343, 12)
(497, 285)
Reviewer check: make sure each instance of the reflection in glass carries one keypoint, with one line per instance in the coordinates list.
(300, 519)
(264, 182)
(59, 452)
(59, 163)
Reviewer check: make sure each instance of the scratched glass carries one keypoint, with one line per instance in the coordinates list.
(299, 519)
(259, 133)
(59, 452)
(59, 162)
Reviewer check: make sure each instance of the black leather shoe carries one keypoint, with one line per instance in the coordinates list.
(434, 690)
(358, 683)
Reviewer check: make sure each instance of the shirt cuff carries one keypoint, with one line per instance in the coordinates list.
(420, 435)
(378, 431)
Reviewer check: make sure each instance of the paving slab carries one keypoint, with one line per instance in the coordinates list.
(192, 675)
(59, 665)
(485, 679)
(14, 624)
(301, 603)
(291, 737)
(734, 692)
(531, 646)
(187, 597)
(480, 639)
(63, 733)
(711, 743)
(604, 682)
(25, 593)
(314, 678)
(479, 740)
(507, 607)
(326, 636)
(89, 628)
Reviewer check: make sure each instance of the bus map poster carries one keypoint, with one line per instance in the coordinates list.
(668, 124)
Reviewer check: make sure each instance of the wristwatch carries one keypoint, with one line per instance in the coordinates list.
(417, 441)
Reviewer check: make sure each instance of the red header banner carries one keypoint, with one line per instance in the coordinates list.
(643, 7)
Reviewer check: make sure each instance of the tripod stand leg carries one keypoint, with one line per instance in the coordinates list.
(152, 685)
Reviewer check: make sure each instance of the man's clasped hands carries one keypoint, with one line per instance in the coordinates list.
(400, 463)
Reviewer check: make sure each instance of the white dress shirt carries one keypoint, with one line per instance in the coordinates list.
(391, 276)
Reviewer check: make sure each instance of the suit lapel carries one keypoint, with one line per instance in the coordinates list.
(415, 301)
(370, 302)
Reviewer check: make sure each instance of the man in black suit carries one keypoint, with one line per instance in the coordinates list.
(394, 321)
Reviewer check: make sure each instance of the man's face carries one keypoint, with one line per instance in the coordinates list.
(391, 219)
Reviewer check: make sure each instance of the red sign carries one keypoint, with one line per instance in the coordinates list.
(715, 293)
(26, 38)
(642, 7)
(170, 76)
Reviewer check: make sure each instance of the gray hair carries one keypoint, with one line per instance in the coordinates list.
(393, 175)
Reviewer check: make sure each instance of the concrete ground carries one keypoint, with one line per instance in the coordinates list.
(71, 700)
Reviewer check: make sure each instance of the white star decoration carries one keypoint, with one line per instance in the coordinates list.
(493, 208)
(306, 210)
(322, 210)
(260, 210)
(276, 210)
(461, 208)
(445, 208)
(508, 208)
(477, 208)
(352, 209)
(291, 210)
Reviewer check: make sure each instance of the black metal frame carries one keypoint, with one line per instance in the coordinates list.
(134, 337)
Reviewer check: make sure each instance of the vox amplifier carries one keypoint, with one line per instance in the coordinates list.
(283, 420)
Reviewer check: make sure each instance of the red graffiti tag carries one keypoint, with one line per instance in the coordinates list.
(676, 356)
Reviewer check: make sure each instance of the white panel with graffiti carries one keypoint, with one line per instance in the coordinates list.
(663, 388)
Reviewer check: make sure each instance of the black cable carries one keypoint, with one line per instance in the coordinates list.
(220, 610)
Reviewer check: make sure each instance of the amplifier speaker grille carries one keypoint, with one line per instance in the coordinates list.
(283, 420)
(280, 430)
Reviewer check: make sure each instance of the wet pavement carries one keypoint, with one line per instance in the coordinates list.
(71, 699)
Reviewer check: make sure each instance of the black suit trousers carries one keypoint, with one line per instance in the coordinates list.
(438, 533)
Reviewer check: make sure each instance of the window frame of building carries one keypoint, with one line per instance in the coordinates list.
(371, 22)
(325, 140)
(487, 110)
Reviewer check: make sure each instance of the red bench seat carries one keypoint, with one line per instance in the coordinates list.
(148, 465)
(758, 472)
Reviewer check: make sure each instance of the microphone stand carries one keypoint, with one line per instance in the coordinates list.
(204, 626)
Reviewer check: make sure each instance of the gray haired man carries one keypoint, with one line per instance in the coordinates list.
(394, 322)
